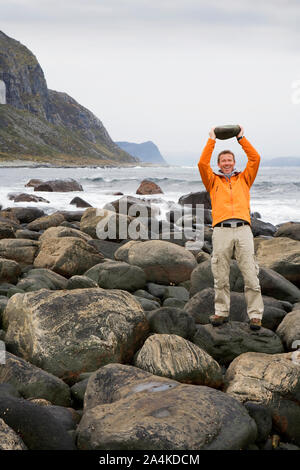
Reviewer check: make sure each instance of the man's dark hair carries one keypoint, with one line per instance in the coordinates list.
(225, 151)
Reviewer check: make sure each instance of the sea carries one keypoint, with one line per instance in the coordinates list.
(275, 194)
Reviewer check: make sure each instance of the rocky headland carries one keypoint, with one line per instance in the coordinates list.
(108, 341)
(43, 126)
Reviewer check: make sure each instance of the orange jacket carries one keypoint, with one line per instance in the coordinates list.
(229, 199)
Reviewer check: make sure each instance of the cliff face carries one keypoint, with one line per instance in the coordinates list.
(36, 121)
(146, 151)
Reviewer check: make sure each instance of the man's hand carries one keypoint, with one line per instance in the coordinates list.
(212, 134)
(241, 132)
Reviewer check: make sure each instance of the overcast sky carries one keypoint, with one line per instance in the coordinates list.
(167, 70)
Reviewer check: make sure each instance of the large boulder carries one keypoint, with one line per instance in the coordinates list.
(289, 330)
(260, 228)
(177, 358)
(133, 206)
(9, 439)
(163, 262)
(78, 202)
(117, 275)
(67, 256)
(33, 182)
(42, 223)
(58, 186)
(28, 234)
(272, 283)
(6, 231)
(103, 223)
(25, 197)
(160, 409)
(290, 230)
(22, 251)
(281, 254)
(39, 429)
(273, 380)
(36, 279)
(202, 305)
(172, 320)
(81, 282)
(148, 187)
(234, 338)
(25, 215)
(33, 382)
(73, 331)
(200, 197)
(59, 232)
(9, 271)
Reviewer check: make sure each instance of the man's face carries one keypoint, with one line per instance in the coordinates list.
(226, 163)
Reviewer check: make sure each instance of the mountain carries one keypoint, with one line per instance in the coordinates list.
(281, 161)
(146, 151)
(45, 125)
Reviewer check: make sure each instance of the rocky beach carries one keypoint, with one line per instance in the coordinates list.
(106, 343)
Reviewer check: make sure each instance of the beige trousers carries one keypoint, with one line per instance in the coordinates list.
(238, 242)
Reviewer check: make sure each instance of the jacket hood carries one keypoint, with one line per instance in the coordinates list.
(233, 173)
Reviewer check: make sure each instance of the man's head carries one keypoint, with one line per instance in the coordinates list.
(226, 161)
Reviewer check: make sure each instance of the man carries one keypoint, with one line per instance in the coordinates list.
(230, 198)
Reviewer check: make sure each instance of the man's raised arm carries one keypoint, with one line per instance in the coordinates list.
(253, 158)
(205, 170)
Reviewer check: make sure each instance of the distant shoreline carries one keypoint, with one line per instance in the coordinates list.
(29, 164)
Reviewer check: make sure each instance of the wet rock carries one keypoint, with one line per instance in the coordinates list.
(74, 331)
(33, 382)
(146, 295)
(38, 428)
(33, 182)
(6, 231)
(147, 304)
(72, 216)
(159, 409)
(200, 197)
(263, 417)
(259, 228)
(24, 197)
(78, 202)
(234, 338)
(78, 391)
(172, 320)
(58, 186)
(9, 271)
(25, 215)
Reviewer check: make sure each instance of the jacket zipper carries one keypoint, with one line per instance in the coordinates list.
(231, 197)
